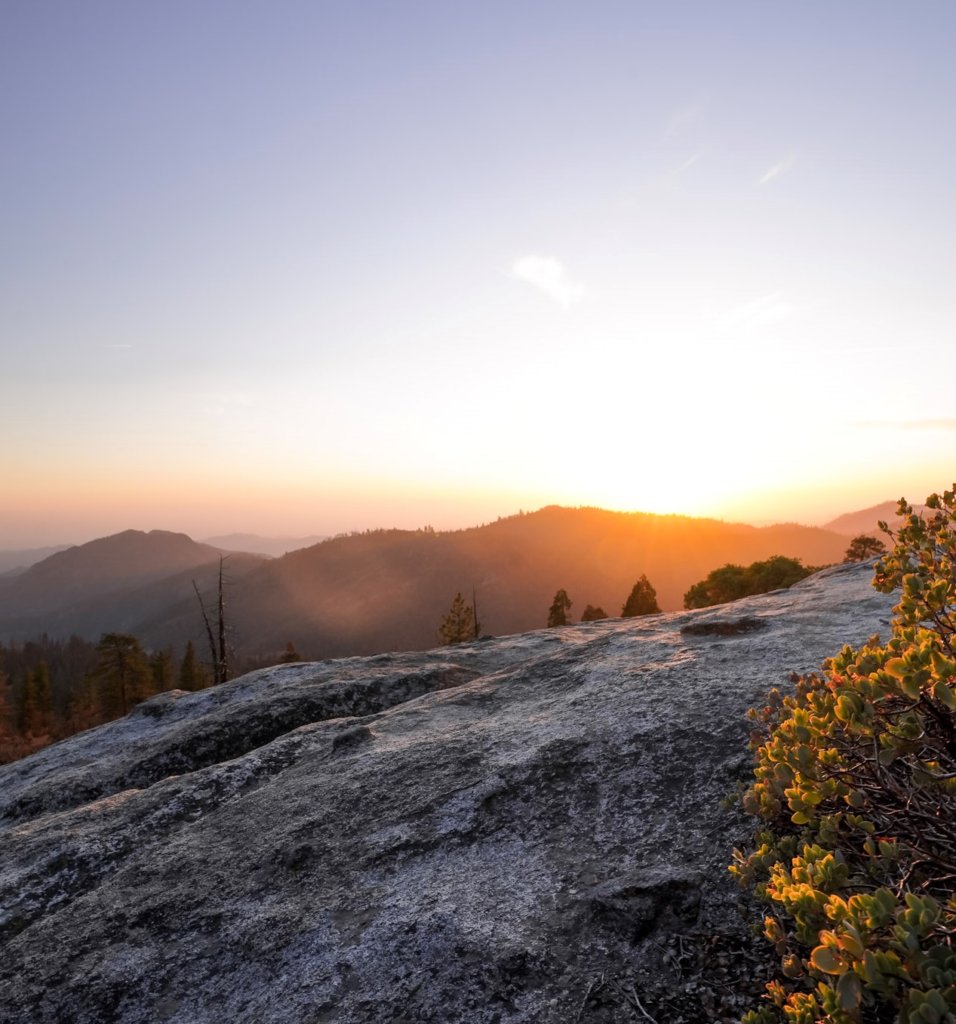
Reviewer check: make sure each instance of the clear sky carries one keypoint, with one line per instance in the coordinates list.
(302, 267)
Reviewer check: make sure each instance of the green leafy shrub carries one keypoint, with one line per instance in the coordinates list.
(731, 582)
(855, 779)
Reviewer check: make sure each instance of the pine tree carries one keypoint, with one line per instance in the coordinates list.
(9, 740)
(35, 711)
(558, 612)
(459, 624)
(592, 614)
(192, 675)
(642, 600)
(863, 547)
(162, 670)
(122, 677)
(84, 710)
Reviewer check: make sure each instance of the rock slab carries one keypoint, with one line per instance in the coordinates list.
(523, 829)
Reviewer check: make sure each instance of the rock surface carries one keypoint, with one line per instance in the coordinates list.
(515, 830)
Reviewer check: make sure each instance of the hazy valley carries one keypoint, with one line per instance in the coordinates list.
(384, 590)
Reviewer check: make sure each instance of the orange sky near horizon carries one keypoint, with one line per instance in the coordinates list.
(433, 265)
(100, 505)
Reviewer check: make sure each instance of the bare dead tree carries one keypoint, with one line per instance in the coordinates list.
(223, 662)
(474, 611)
(218, 652)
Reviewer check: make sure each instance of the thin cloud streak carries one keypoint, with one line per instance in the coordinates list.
(777, 170)
(550, 276)
(687, 165)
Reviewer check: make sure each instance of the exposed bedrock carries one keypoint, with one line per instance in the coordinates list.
(524, 829)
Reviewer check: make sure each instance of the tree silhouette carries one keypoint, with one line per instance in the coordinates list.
(642, 600)
(558, 612)
(192, 675)
(217, 650)
(863, 547)
(592, 614)
(163, 671)
(731, 582)
(36, 706)
(122, 676)
(459, 624)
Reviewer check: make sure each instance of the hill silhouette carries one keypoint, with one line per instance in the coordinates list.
(386, 589)
(110, 584)
(254, 543)
(854, 523)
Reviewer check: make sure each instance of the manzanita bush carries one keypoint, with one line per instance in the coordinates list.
(855, 781)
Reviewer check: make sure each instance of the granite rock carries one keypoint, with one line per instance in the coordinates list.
(530, 828)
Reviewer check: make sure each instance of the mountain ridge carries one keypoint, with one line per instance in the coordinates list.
(380, 590)
(865, 520)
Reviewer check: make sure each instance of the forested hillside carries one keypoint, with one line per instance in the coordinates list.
(388, 590)
(385, 589)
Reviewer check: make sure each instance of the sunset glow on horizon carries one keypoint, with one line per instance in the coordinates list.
(305, 268)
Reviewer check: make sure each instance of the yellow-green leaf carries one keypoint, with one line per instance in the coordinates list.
(896, 667)
(825, 959)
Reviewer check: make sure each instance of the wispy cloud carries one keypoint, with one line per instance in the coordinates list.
(687, 165)
(777, 170)
(943, 423)
(682, 117)
(768, 309)
(551, 276)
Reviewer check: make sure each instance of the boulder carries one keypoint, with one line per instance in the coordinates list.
(526, 829)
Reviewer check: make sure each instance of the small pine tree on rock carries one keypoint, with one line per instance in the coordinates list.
(592, 614)
(459, 624)
(558, 612)
(642, 600)
(863, 547)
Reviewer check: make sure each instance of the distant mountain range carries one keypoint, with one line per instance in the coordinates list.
(272, 546)
(385, 589)
(14, 562)
(123, 583)
(854, 523)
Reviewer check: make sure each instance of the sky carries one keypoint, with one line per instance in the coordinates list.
(304, 267)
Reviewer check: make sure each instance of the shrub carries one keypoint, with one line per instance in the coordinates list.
(732, 582)
(855, 779)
